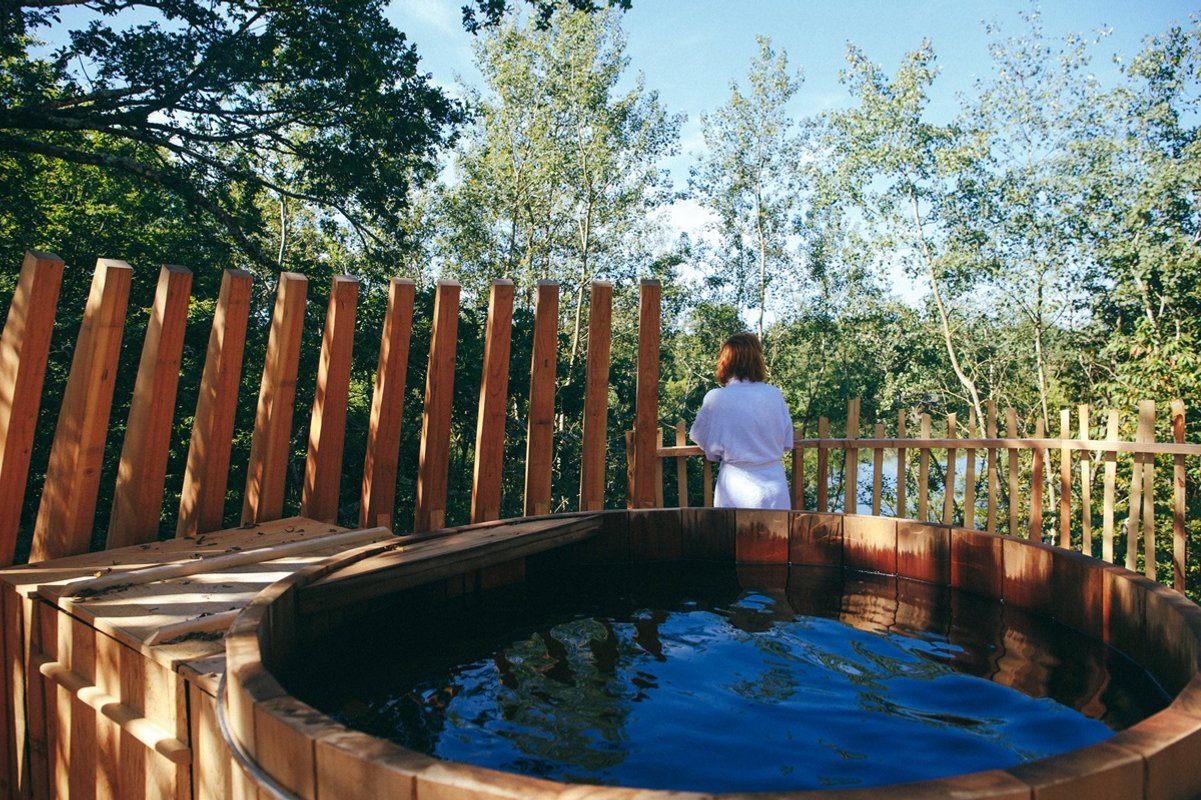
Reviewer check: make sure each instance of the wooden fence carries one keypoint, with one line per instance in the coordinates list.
(1000, 484)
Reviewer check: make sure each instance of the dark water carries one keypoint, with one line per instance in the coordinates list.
(708, 677)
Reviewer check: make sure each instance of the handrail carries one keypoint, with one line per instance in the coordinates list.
(1090, 445)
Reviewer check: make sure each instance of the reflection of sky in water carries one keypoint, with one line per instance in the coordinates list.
(724, 689)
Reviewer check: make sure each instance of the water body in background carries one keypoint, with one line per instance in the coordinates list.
(709, 677)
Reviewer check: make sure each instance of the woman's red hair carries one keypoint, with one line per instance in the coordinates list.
(741, 357)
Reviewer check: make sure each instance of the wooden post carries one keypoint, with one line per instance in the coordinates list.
(142, 471)
(708, 481)
(1035, 530)
(994, 487)
(1111, 474)
(901, 477)
(539, 439)
(596, 397)
(923, 473)
(1136, 500)
(658, 469)
(267, 470)
(1179, 531)
(202, 499)
(1065, 480)
(969, 475)
(67, 512)
(1146, 424)
(948, 495)
(24, 348)
(877, 470)
(646, 425)
(494, 394)
(681, 467)
(378, 504)
(630, 456)
(1015, 501)
(850, 503)
(1086, 488)
(327, 427)
(798, 474)
(823, 465)
(434, 454)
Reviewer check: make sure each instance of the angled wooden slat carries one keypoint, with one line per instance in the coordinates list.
(67, 512)
(142, 472)
(1065, 481)
(877, 471)
(267, 471)
(901, 476)
(1179, 528)
(596, 397)
(850, 503)
(202, 500)
(434, 454)
(948, 495)
(646, 426)
(1110, 489)
(539, 444)
(823, 465)
(327, 427)
(1146, 433)
(969, 475)
(1086, 485)
(24, 348)
(1038, 459)
(387, 404)
(494, 394)
(923, 474)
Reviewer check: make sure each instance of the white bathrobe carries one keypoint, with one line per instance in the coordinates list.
(747, 428)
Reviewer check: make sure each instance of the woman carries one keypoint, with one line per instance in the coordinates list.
(745, 425)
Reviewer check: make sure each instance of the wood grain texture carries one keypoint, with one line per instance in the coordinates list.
(923, 474)
(823, 466)
(24, 348)
(539, 443)
(434, 453)
(67, 512)
(646, 425)
(387, 405)
(267, 472)
(142, 471)
(494, 394)
(596, 397)
(202, 500)
(1034, 531)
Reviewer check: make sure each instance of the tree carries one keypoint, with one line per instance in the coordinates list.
(746, 176)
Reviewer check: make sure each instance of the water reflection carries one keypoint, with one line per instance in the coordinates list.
(783, 679)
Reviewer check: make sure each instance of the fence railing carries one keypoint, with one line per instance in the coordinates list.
(1065, 490)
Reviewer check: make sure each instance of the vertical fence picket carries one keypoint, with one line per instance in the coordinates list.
(490, 416)
(1034, 531)
(681, 467)
(923, 473)
(850, 503)
(990, 521)
(707, 480)
(433, 459)
(1013, 500)
(877, 470)
(541, 425)
(948, 496)
(658, 469)
(1086, 484)
(901, 476)
(823, 465)
(969, 475)
(1146, 425)
(798, 474)
(1136, 502)
(1111, 479)
(1179, 529)
(596, 397)
(646, 425)
(1065, 479)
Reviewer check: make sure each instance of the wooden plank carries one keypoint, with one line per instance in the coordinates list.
(630, 456)
(267, 471)
(494, 394)
(1014, 501)
(202, 499)
(646, 423)
(142, 472)
(327, 427)
(901, 458)
(67, 513)
(994, 488)
(24, 348)
(596, 397)
(923, 474)
(823, 465)
(798, 475)
(1065, 481)
(969, 475)
(1075, 445)
(707, 479)
(681, 467)
(850, 503)
(877, 471)
(948, 495)
(1136, 503)
(1110, 459)
(382, 459)
(1034, 531)
(658, 470)
(1086, 485)
(434, 453)
(539, 445)
(1179, 528)
(1146, 426)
